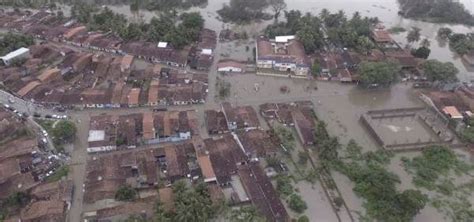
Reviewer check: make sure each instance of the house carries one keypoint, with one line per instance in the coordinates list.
(21, 53)
(106, 173)
(258, 143)
(225, 155)
(133, 97)
(102, 134)
(304, 127)
(49, 75)
(284, 54)
(28, 88)
(74, 31)
(382, 36)
(126, 63)
(180, 162)
(241, 117)
(452, 112)
(216, 122)
(207, 170)
(230, 66)
(261, 192)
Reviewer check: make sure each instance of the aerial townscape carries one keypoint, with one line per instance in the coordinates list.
(236, 110)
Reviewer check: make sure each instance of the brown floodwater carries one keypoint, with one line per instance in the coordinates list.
(339, 105)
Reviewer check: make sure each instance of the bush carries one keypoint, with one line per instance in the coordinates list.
(126, 193)
(296, 203)
(303, 218)
(284, 186)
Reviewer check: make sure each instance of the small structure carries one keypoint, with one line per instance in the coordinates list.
(230, 66)
(17, 54)
(452, 112)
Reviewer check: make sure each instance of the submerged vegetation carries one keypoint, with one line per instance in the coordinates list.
(372, 181)
(441, 11)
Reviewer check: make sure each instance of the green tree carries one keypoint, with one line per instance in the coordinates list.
(296, 203)
(365, 45)
(64, 131)
(444, 33)
(277, 6)
(303, 218)
(246, 213)
(414, 35)
(411, 202)
(378, 73)
(11, 41)
(126, 193)
(422, 52)
(284, 186)
(303, 157)
(439, 71)
(425, 43)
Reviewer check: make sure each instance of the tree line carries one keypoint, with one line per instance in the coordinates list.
(442, 11)
(161, 5)
(179, 30)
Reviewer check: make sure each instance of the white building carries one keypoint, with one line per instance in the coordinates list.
(17, 54)
(284, 54)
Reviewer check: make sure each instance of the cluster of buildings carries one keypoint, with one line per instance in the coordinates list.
(149, 151)
(285, 56)
(57, 75)
(118, 132)
(299, 115)
(24, 167)
(457, 103)
(46, 25)
(282, 56)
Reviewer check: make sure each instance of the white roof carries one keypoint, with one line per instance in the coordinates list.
(162, 44)
(15, 53)
(206, 52)
(284, 38)
(96, 135)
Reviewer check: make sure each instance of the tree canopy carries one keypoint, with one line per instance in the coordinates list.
(244, 11)
(440, 71)
(378, 73)
(306, 27)
(10, 42)
(126, 193)
(179, 31)
(442, 11)
(64, 131)
(190, 204)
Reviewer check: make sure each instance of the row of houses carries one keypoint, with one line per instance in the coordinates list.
(92, 80)
(230, 118)
(24, 168)
(46, 25)
(118, 132)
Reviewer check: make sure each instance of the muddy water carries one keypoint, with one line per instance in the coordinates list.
(340, 106)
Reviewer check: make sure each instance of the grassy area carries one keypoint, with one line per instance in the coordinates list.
(58, 174)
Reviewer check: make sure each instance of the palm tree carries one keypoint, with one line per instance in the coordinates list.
(414, 35)
(425, 43)
(324, 14)
(246, 213)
